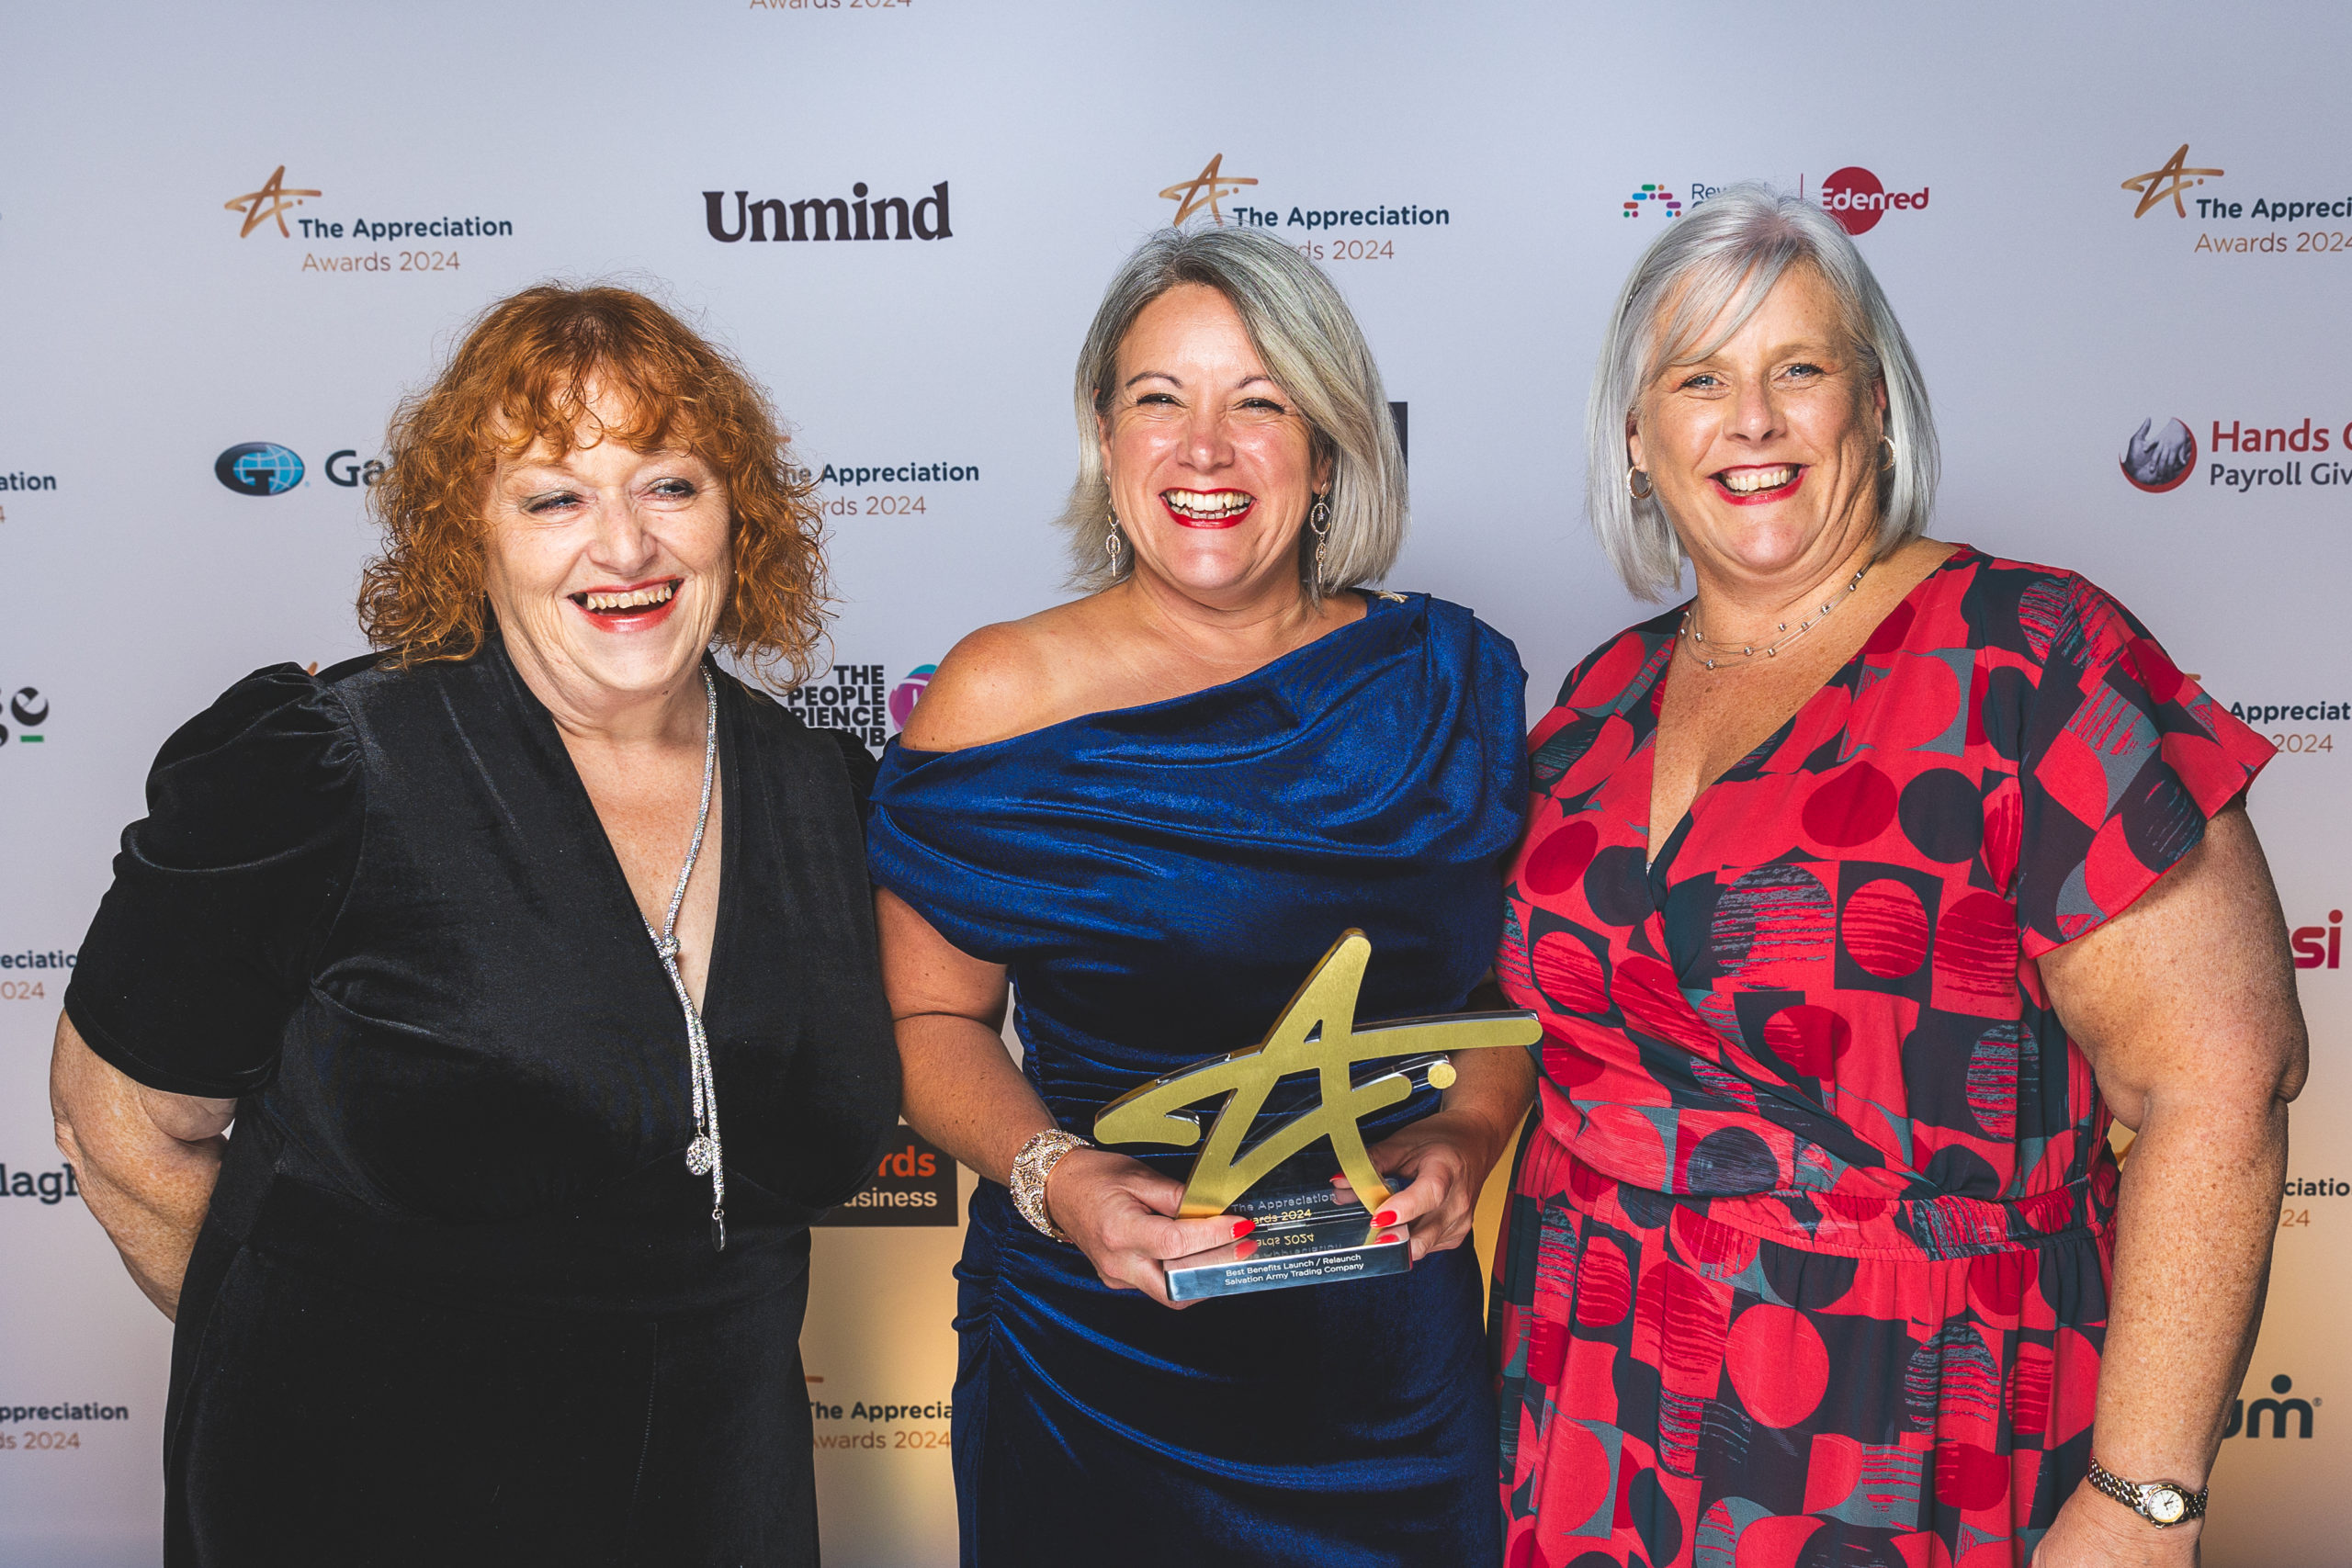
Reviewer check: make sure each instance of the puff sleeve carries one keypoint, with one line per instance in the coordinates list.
(859, 764)
(2125, 759)
(225, 891)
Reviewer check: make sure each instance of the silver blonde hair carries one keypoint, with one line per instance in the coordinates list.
(1714, 266)
(1311, 345)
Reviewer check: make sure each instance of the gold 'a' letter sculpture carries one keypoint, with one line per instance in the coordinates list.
(1316, 1033)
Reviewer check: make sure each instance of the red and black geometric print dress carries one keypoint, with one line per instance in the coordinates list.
(1807, 1257)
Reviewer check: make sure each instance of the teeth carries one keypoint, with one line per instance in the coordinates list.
(1747, 481)
(656, 594)
(1207, 505)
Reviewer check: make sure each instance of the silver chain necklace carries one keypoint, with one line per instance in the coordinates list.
(1770, 649)
(706, 1156)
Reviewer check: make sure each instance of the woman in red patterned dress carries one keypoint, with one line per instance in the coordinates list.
(1858, 895)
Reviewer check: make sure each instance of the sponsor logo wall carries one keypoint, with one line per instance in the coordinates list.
(2123, 264)
(275, 202)
(1855, 197)
(27, 717)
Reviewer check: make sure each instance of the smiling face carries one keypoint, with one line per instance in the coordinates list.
(608, 568)
(1210, 465)
(1766, 454)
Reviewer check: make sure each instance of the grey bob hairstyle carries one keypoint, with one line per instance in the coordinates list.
(1309, 343)
(1713, 268)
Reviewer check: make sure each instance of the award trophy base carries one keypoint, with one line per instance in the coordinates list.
(1306, 1237)
(1308, 1255)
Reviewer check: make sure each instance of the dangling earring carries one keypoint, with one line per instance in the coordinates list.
(1112, 542)
(1318, 523)
(1648, 490)
(1887, 466)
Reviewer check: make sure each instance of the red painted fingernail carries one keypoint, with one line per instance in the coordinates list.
(1243, 1227)
(1245, 1252)
(1385, 1217)
(1386, 1240)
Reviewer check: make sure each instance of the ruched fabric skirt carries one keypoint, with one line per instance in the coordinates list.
(1339, 1425)
(1677, 1391)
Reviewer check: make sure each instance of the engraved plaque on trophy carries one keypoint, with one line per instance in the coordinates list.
(1261, 1159)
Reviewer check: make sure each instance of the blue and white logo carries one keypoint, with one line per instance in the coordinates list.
(258, 468)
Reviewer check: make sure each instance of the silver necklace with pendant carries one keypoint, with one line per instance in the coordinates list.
(706, 1156)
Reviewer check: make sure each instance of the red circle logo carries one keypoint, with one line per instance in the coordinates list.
(2157, 460)
(1855, 198)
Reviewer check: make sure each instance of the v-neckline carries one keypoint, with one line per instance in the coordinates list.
(1661, 858)
(616, 878)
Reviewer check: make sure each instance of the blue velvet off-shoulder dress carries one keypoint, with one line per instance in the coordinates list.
(1158, 880)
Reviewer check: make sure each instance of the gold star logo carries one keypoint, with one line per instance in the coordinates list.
(1204, 191)
(2169, 181)
(273, 200)
(1315, 1034)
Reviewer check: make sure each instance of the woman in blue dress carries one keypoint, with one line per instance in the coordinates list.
(1151, 811)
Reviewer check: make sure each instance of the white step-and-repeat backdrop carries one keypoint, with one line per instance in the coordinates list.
(236, 225)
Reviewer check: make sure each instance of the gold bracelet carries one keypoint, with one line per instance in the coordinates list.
(1031, 1167)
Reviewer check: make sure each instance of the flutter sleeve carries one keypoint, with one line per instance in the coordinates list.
(225, 891)
(2122, 762)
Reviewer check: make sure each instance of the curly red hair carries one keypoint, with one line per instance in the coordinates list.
(521, 377)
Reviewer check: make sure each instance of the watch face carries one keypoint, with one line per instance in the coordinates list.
(2164, 1505)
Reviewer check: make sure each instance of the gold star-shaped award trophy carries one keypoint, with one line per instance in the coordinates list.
(1309, 1231)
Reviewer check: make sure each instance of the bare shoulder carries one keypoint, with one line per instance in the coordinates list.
(1002, 681)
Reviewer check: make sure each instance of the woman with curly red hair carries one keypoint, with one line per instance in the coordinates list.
(471, 938)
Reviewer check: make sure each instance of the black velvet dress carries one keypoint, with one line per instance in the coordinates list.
(456, 1301)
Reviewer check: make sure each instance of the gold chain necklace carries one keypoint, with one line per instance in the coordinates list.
(1770, 649)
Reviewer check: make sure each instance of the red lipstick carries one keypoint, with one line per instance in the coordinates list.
(629, 617)
(1229, 520)
(1758, 498)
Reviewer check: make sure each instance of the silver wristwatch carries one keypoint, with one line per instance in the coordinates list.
(1031, 1167)
(2161, 1503)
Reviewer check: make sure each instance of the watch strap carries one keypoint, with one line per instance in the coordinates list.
(2134, 1495)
